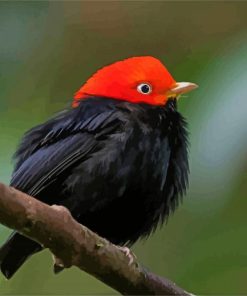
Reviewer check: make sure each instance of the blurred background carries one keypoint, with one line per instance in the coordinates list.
(48, 50)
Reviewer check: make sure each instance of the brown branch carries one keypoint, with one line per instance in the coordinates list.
(73, 244)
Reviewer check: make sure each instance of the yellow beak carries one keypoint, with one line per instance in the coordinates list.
(181, 88)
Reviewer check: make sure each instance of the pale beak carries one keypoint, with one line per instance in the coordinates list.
(181, 88)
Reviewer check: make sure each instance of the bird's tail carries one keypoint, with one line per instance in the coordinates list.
(15, 251)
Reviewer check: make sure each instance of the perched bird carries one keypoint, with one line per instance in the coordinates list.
(117, 158)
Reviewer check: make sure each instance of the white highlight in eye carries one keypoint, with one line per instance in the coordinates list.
(144, 88)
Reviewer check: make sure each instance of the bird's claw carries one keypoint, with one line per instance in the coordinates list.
(128, 253)
(58, 264)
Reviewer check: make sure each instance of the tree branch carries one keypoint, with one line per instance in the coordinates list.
(73, 244)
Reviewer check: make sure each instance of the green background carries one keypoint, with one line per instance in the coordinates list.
(47, 51)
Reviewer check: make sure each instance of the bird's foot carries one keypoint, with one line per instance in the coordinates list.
(128, 253)
(58, 264)
(61, 209)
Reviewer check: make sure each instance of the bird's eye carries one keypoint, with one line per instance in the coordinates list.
(144, 88)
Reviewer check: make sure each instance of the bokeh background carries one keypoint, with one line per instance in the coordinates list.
(48, 49)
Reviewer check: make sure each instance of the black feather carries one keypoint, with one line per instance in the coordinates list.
(120, 168)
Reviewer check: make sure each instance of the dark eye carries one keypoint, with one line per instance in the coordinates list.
(144, 88)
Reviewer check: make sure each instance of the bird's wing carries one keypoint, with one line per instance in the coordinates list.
(58, 127)
(60, 149)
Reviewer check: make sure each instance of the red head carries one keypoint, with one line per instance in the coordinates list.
(137, 79)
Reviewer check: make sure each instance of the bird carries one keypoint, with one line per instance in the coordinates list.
(117, 157)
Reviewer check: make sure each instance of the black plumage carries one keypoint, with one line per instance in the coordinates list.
(119, 167)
